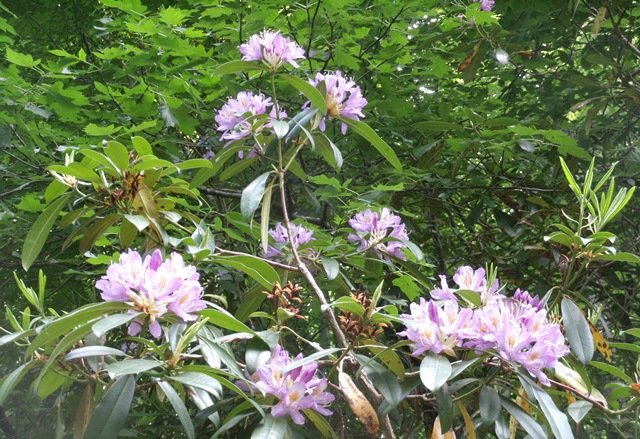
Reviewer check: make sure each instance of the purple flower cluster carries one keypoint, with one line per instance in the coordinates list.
(301, 236)
(237, 118)
(373, 227)
(153, 286)
(516, 329)
(343, 97)
(271, 48)
(298, 389)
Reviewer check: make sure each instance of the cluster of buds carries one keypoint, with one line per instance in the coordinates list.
(356, 326)
(287, 298)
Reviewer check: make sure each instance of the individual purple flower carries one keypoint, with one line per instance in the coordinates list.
(298, 389)
(467, 279)
(153, 287)
(271, 48)
(372, 228)
(343, 97)
(239, 118)
(524, 297)
(486, 5)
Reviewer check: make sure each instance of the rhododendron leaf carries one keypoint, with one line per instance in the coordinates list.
(309, 359)
(527, 423)
(331, 267)
(557, 420)
(316, 98)
(179, 407)
(118, 153)
(435, 370)
(577, 330)
(579, 409)
(386, 382)
(141, 145)
(225, 320)
(107, 165)
(112, 411)
(252, 266)
(369, 134)
(131, 367)
(252, 196)
(92, 351)
(346, 303)
(37, 236)
(201, 381)
(321, 423)
(96, 230)
(613, 371)
(11, 380)
(271, 428)
(489, 406)
(470, 296)
(329, 151)
(444, 405)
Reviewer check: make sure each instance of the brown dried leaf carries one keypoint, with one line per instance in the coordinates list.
(360, 406)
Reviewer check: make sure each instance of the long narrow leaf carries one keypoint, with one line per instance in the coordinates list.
(368, 133)
(179, 407)
(252, 196)
(39, 232)
(112, 411)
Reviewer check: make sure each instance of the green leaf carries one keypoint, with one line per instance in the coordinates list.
(118, 154)
(346, 303)
(92, 351)
(251, 301)
(141, 146)
(238, 66)
(620, 256)
(254, 267)
(37, 236)
(101, 159)
(489, 406)
(316, 98)
(578, 410)
(369, 134)
(470, 296)
(131, 367)
(444, 405)
(532, 428)
(179, 407)
(252, 196)
(321, 423)
(201, 381)
(104, 325)
(194, 164)
(77, 170)
(434, 371)
(557, 420)
(20, 59)
(11, 380)
(225, 320)
(386, 382)
(329, 151)
(613, 371)
(113, 410)
(331, 267)
(96, 230)
(310, 358)
(577, 330)
(633, 331)
(271, 428)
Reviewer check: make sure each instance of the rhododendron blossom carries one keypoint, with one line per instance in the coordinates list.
(298, 389)
(153, 287)
(237, 118)
(343, 97)
(515, 329)
(372, 228)
(271, 48)
(301, 236)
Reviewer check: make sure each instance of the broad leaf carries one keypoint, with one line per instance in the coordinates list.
(37, 236)
(368, 133)
(434, 371)
(252, 196)
(113, 410)
(578, 332)
(179, 407)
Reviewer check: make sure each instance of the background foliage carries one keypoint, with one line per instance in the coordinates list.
(479, 137)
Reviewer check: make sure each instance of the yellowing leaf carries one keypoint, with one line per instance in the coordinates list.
(601, 344)
(437, 431)
(469, 59)
(360, 406)
(469, 428)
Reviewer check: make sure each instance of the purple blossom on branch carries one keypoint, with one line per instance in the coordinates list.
(343, 97)
(515, 329)
(237, 118)
(301, 236)
(372, 228)
(153, 287)
(298, 389)
(271, 48)
(486, 5)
